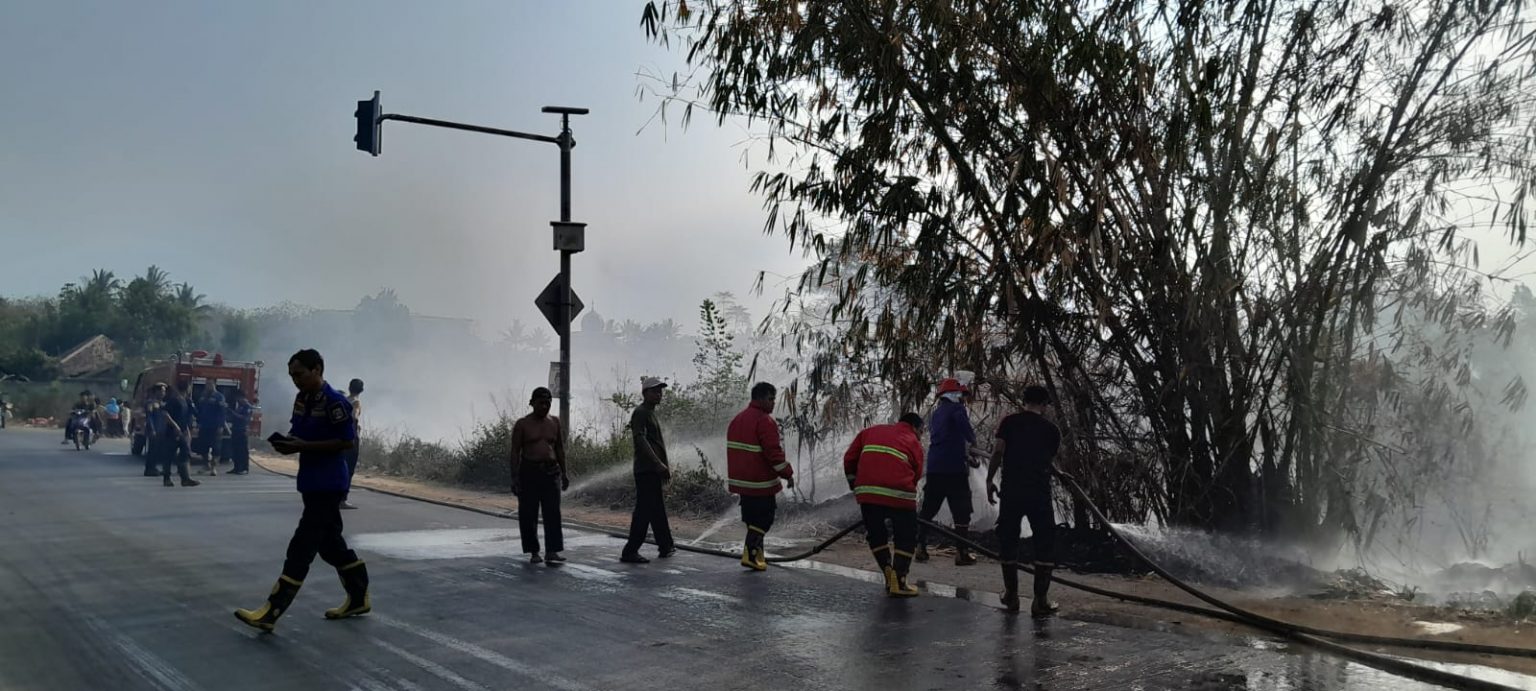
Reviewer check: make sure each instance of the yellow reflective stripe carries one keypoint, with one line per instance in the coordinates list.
(743, 447)
(876, 448)
(885, 492)
(781, 466)
(756, 529)
(748, 484)
(879, 549)
(900, 553)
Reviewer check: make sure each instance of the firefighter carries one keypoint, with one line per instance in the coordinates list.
(755, 463)
(212, 411)
(1025, 449)
(538, 477)
(948, 472)
(152, 430)
(883, 464)
(240, 412)
(322, 429)
(174, 441)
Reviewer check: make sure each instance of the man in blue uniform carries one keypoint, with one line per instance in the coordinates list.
(322, 432)
(239, 423)
(175, 436)
(211, 412)
(950, 437)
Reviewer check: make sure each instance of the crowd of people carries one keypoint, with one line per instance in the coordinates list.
(884, 466)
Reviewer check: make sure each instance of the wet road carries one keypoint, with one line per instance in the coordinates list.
(111, 581)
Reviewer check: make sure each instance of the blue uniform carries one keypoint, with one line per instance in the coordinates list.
(949, 432)
(321, 416)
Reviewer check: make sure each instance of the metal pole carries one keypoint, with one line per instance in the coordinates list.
(565, 142)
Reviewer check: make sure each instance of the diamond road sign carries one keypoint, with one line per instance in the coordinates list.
(548, 302)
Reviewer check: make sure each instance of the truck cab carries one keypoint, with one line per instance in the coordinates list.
(198, 370)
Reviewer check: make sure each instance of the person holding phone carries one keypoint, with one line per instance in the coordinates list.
(322, 432)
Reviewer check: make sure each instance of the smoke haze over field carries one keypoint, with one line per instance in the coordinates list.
(214, 140)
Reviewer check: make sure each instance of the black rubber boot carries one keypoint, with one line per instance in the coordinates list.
(265, 617)
(354, 579)
(1042, 606)
(963, 556)
(1010, 596)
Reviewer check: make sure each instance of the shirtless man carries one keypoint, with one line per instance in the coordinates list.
(538, 477)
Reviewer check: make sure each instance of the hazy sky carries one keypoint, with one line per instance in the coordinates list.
(215, 139)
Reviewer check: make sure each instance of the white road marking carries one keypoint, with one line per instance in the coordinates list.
(485, 655)
(435, 669)
(156, 671)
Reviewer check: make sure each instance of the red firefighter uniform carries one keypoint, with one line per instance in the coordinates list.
(755, 467)
(883, 464)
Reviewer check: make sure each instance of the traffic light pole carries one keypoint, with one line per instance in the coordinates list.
(569, 240)
(566, 142)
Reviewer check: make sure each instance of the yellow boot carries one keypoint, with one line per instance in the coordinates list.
(265, 617)
(896, 579)
(354, 579)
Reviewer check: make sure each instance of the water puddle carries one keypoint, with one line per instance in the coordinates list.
(420, 545)
(1438, 628)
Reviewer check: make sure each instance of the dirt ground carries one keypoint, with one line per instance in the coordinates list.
(1383, 618)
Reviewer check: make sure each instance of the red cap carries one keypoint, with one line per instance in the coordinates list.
(950, 385)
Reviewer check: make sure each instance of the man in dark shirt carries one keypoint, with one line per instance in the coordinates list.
(211, 412)
(1025, 447)
(538, 477)
(651, 476)
(175, 436)
(152, 429)
(240, 411)
(322, 430)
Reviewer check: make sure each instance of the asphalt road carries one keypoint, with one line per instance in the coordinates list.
(110, 581)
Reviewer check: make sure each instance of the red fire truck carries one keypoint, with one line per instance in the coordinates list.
(199, 370)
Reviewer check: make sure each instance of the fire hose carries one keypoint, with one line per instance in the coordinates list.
(1314, 637)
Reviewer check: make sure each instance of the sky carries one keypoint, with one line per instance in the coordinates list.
(215, 140)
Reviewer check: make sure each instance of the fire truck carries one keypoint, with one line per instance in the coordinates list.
(198, 370)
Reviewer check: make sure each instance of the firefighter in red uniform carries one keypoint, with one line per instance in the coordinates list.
(755, 463)
(883, 464)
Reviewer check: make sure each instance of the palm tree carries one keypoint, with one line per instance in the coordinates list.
(102, 284)
(189, 299)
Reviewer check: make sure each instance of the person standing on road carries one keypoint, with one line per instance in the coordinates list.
(755, 462)
(882, 465)
(948, 472)
(322, 429)
(651, 475)
(175, 433)
(239, 433)
(1025, 449)
(153, 429)
(354, 396)
(538, 477)
(211, 413)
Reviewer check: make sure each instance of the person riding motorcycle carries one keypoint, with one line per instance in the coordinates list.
(82, 411)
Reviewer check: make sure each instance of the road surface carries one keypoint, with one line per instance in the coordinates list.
(111, 581)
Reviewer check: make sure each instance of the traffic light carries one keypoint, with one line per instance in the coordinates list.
(369, 125)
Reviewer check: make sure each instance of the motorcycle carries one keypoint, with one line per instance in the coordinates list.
(81, 421)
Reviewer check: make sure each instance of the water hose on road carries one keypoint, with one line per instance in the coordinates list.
(1226, 611)
(813, 551)
(1302, 634)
